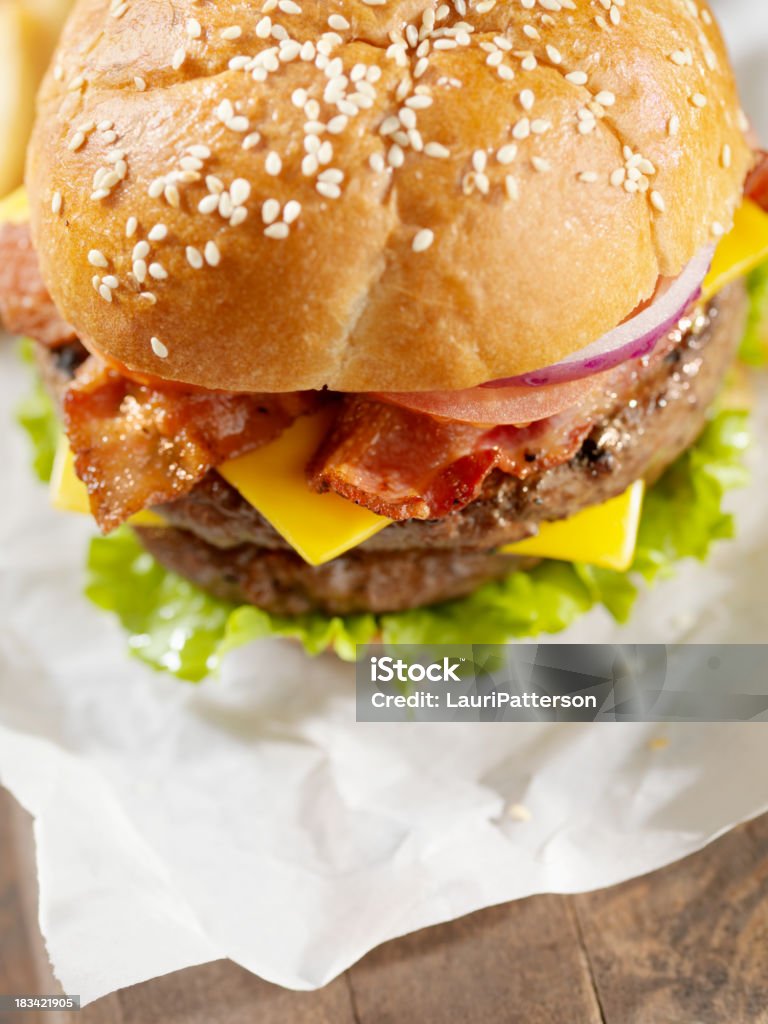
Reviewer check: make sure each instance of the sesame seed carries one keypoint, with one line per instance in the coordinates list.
(270, 210)
(212, 254)
(194, 257)
(160, 350)
(657, 200)
(277, 231)
(291, 211)
(97, 258)
(158, 271)
(273, 164)
(56, 202)
(240, 191)
(395, 156)
(209, 204)
(522, 129)
(158, 233)
(681, 57)
(422, 240)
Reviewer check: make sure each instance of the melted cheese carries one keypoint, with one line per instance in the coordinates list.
(603, 535)
(743, 249)
(318, 526)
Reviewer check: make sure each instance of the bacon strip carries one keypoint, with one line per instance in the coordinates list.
(25, 305)
(407, 465)
(136, 446)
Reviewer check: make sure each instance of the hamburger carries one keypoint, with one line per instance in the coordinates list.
(346, 307)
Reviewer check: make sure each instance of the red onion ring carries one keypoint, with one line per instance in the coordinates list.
(632, 339)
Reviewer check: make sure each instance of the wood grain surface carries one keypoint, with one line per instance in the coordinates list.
(686, 945)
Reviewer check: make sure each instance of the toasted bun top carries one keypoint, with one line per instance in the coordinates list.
(399, 195)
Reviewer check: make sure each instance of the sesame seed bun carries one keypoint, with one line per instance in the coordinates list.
(357, 196)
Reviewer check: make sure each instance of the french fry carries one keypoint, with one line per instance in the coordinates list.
(28, 34)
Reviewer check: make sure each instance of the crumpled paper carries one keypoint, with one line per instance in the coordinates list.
(250, 817)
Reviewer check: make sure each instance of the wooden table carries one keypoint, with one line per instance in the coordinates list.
(686, 945)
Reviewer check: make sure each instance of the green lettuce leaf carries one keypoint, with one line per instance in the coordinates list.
(36, 415)
(175, 627)
(754, 345)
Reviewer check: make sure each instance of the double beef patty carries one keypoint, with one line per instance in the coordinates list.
(219, 541)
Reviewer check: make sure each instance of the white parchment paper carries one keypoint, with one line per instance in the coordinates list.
(251, 818)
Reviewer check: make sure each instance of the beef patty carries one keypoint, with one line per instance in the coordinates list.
(222, 543)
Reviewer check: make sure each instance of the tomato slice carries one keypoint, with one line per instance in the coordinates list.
(511, 405)
(756, 187)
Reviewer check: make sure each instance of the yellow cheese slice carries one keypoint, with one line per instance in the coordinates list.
(68, 493)
(604, 535)
(14, 208)
(743, 249)
(319, 527)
